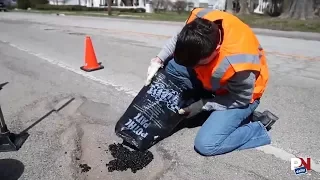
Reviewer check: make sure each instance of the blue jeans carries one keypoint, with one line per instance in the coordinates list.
(223, 131)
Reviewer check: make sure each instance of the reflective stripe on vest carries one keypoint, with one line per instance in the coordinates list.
(203, 12)
(232, 64)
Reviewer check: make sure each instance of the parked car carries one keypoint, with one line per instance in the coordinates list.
(4, 4)
(3, 7)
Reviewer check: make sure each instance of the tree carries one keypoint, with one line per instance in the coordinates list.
(317, 9)
(300, 9)
(159, 5)
(109, 7)
(127, 2)
(244, 7)
(34, 3)
(180, 6)
(23, 4)
(229, 6)
(64, 2)
(275, 7)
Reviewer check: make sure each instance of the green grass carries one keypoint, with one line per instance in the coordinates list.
(167, 16)
(255, 21)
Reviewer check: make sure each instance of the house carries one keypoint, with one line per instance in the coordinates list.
(90, 3)
(9, 2)
(68, 2)
(217, 4)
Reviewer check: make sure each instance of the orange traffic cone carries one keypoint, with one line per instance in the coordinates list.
(91, 63)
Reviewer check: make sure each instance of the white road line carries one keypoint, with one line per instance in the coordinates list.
(268, 149)
(282, 154)
(78, 71)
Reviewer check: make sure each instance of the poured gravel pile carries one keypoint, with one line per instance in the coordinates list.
(126, 159)
(84, 167)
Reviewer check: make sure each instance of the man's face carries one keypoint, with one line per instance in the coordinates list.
(210, 58)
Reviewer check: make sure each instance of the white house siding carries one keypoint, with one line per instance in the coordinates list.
(218, 4)
(214, 4)
(96, 3)
(68, 2)
(88, 3)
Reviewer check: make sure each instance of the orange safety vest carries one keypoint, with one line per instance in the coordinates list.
(240, 51)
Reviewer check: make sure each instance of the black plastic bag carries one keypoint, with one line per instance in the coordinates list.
(153, 114)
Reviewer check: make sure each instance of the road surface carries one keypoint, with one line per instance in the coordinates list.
(41, 56)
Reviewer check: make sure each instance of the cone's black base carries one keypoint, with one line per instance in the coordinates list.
(9, 141)
(12, 142)
(94, 69)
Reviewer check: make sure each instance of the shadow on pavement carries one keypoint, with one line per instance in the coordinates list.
(11, 169)
(193, 122)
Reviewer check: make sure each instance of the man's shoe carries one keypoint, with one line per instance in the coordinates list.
(266, 118)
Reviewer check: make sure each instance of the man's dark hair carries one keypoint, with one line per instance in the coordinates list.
(197, 40)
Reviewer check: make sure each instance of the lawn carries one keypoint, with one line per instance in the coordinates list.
(255, 21)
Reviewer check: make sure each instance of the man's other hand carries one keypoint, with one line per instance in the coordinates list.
(193, 109)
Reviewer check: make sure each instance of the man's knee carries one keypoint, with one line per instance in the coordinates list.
(205, 147)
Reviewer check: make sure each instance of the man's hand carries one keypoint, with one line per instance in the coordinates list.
(193, 109)
(155, 65)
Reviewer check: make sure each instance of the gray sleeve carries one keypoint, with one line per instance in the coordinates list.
(167, 50)
(240, 88)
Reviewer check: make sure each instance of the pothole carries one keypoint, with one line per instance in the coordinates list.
(98, 111)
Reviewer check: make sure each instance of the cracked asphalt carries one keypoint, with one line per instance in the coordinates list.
(40, 56)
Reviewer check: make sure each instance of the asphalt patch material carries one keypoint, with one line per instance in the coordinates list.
(127, 159)
(84, 167)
